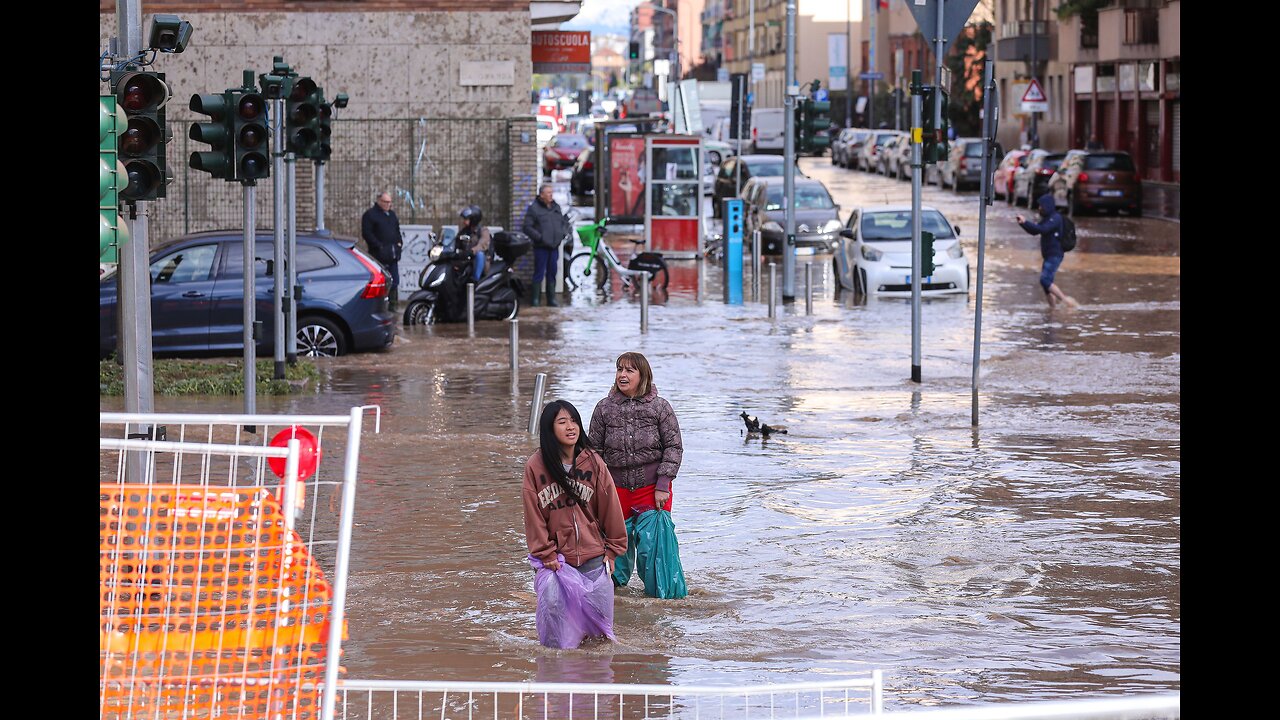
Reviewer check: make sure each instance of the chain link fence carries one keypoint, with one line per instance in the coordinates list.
(431, 166)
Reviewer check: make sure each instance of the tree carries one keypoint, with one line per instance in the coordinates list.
(965, 61)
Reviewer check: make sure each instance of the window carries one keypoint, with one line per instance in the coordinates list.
(190, 265)
(233, 266)
(1117, 162)
(897, 225)
(311, 258)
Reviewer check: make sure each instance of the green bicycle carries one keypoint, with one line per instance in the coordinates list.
(596, 260)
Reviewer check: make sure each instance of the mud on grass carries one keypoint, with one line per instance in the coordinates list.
(215, 376)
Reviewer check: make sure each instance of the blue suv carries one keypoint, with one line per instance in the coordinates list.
(197, 297)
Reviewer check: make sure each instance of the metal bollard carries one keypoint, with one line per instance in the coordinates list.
(539, 387)
(515, 352)
(808, 287)
(644, 302)
(471, 308)
(773, 295)
(755, 266)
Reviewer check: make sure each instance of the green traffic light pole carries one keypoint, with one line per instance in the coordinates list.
(276, 86)
(133, 281)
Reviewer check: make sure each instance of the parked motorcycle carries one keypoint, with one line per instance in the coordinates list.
(443, 294)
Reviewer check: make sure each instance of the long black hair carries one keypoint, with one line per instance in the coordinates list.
(551, 447)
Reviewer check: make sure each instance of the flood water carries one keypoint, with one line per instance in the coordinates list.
(1035, 557)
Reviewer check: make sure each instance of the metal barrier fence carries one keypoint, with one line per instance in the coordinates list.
(223, 589)
(432, 167)
(400, 700)
(1151, 707)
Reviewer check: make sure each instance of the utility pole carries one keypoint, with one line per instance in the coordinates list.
(1035, 66)
(789, 159)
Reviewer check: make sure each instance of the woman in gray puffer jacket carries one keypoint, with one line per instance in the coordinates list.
(637, 434)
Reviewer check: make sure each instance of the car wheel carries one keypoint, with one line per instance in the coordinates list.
(968, 278)
(320, 337)
(1136, 212)
(1008, 198)
(420, 312)
(859, 280)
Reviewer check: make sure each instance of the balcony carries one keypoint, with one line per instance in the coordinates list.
(1076, 43)
(1014, 41)
(1126, 33)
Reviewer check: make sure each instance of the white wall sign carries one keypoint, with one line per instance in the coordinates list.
(487, 72)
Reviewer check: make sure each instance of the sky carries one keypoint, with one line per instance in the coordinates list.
(601, 16)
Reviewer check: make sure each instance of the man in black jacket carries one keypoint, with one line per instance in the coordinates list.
(380, 229)
(546, 226)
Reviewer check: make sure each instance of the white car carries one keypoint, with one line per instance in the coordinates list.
(873, 253)
(547, 128)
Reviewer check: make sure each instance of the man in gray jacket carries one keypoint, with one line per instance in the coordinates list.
(546, 226)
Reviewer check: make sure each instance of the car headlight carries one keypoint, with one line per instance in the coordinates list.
(771, 226)
(954, 252)
(872, 254)
(831, 226)
(434, 253)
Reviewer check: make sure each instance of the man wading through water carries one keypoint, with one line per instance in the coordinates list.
(1050, 231)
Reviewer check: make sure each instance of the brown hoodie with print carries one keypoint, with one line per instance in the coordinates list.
(555, 523)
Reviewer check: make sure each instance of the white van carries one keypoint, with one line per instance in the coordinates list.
(767, 126)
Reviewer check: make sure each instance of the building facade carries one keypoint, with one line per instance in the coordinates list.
(432, 89)
(1124, 83)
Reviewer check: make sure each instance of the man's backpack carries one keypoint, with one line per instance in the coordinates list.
(1067, 238)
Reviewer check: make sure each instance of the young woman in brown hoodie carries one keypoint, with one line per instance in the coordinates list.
(570, 505)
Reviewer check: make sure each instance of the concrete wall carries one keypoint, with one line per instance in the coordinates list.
(392, 64)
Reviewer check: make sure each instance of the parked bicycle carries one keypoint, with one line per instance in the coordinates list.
(596, 260)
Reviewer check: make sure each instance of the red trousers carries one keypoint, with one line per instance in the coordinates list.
(637, 501)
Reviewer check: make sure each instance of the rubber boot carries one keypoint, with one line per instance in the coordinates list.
(551, 293)
(537, 295)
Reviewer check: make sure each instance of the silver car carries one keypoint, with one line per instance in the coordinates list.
(869, 155)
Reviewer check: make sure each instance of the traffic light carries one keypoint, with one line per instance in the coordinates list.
(324, 121)
(926, 254)
(251, 138)
(934, 138)
(112, 176)
(219, 161)
(818, 117)
(302, 109)
(802, 134)
(142, 95)
(633, 50)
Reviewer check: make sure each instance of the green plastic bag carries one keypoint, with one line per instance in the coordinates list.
(653, 549)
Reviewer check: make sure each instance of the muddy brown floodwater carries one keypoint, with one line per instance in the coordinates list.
(1036, 557)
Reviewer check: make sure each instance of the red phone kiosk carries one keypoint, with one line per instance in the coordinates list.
(673, 198)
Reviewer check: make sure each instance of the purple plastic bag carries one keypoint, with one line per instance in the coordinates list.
(572, 605)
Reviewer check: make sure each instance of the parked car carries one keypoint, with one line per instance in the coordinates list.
(197, 297)
(1031, 182)
(1003, 182)
(895, 158)
(752, 166)
(868, 155)
(963, 165)
(1098, 180)
(817, 215)
(873, 253)
(851, 145)
(767, 127)
(545, 130)
(562, 151)
(718, 151)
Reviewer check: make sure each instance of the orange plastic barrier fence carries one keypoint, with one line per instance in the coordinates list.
(210, 606)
